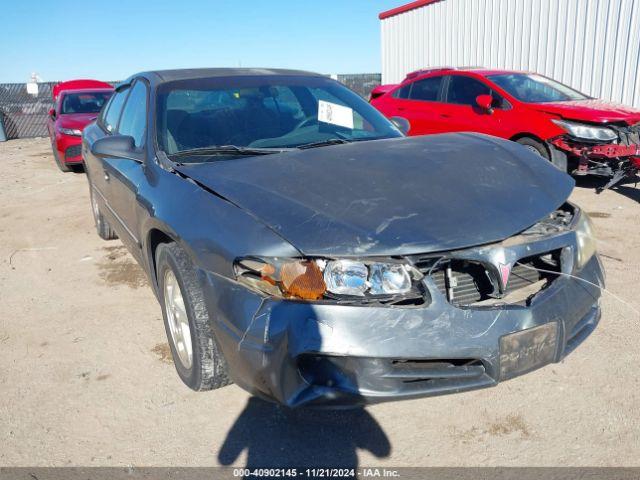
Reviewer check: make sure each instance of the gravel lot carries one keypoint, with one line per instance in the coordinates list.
(86, 376)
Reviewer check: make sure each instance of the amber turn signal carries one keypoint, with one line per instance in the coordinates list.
(302, 279)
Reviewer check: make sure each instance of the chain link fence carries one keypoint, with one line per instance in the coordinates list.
(25, 114)
(361, 83)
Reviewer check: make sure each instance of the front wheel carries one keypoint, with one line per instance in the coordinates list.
(196, 355)
(534, 146)
(551, 154)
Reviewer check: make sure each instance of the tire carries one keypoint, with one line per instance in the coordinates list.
(535, 146)
(61, 165)
(103, 227)
(206, 369)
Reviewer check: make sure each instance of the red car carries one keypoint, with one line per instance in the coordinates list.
(579, 134)
(77, 103)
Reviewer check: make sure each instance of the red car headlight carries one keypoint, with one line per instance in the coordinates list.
(70, 131)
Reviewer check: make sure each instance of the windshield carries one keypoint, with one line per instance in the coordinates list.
(85, 102)
(533, 88)
(263, 112)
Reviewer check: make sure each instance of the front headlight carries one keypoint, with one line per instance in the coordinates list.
(71, 131)
(586, 239)
(314, 279)
(587, 132)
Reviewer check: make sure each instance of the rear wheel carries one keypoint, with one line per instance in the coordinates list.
(196, 355)
(61, 165)
(102, 225)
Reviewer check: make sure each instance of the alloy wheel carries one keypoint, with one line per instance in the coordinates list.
(177, 319)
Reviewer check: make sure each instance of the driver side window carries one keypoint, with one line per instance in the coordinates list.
(133, 121)
(112, 114)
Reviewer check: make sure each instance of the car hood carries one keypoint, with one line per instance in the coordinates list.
(598, 111)
(76, 120)
(392, 197)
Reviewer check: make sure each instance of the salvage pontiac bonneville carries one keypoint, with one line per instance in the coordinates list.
(302, 247)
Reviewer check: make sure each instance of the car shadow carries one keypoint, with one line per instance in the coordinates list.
(626, 188)
(275, 436)
(278, 436)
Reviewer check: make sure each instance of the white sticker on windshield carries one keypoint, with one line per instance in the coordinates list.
(335, 114)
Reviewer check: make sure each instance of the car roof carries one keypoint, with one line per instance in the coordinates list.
(453, 70)
(485, 72)
(162, 76)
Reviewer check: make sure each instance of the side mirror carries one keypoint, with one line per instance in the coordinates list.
(485, 102)
(115, 146)
(401, 124)
(52, 112)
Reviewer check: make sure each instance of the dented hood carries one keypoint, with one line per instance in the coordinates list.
(392, 197)
(593, 110)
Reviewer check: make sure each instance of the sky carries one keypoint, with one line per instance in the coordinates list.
(65, 39)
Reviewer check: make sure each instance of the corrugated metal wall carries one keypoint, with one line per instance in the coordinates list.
(591, 45)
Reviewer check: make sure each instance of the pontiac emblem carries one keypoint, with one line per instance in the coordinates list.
(505, 272)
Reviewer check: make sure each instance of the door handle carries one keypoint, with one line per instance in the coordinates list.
(444, 115)
(106, 176)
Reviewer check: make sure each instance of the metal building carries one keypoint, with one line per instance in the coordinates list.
(591, 45)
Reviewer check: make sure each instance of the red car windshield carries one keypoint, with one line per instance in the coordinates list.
(531, 88)
(85, 102)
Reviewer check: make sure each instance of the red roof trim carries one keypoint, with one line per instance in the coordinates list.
(405, 8)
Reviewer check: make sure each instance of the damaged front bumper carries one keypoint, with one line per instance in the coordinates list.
(299, 353)
(596, 156)
(616, 160)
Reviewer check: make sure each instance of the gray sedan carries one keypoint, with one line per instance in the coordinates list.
(303, 247)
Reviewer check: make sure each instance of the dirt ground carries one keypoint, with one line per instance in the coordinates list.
(86, 377)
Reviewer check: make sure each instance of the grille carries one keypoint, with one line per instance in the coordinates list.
(399, 376)
(522, 276)
(411, 371)
(465, 282)
(73, 151)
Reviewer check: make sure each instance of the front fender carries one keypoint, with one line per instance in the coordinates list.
(213, 231)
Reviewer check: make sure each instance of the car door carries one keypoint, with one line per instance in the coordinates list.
(423, 105)
(125, 174)
(461, 113)
(95, 166)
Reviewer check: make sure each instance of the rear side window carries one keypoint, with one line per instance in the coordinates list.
(403, 92)
(464, 90)
(113, 112)
(134, 116)
(427, 89)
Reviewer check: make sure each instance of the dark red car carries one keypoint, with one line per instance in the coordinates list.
(77, 103)
(578, 133)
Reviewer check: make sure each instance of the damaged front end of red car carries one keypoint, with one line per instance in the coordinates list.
(617, 159)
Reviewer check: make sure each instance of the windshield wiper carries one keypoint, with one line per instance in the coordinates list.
(227, 150)
(323, 143)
